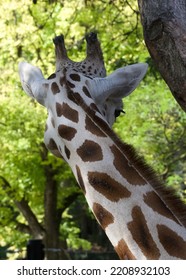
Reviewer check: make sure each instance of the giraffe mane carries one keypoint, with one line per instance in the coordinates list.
(167, 195)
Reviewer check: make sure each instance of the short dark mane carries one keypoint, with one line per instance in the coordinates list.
(167, 195)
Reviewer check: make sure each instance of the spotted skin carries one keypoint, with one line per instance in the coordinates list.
(104, 217)
(139, 216)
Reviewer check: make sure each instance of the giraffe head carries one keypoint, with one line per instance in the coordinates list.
(106, 92)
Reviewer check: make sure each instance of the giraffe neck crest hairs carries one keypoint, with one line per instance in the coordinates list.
(142, 218)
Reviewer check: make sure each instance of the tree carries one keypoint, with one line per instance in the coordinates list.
(164, 33)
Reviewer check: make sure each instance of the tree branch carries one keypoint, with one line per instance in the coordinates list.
(23, 228)
(36, 229)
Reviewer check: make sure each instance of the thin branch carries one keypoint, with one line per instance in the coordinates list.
(35, 227)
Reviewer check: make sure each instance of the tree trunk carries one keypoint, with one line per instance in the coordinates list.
(164, 27)
(52, 217)
(52, 241)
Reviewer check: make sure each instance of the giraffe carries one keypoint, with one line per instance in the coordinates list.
(142, 218)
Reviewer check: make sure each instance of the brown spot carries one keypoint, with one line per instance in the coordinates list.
(123, 251)
(67, 152)
(67, 132)
(140, 232)
(75, 97)
(71, 85)
(75, 77)
(86, 92)
(80, 179)
(52, 146)
(104, 217)
(154, 201)
(70, 113)
(53, 76)
(95, 109)
(127, 171)
(90, 151)
(93, 128)
(107, 186)
(59, 110)
(71, 97)
(54, 87)
(172, 242)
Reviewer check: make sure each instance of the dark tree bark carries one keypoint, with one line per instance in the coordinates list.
(164, 27)
(36, 230)
(52, 217)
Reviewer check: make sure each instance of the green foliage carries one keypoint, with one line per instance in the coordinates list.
(70, 232)
(153, 123)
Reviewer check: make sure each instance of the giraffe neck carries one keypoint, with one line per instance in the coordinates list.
(130, 205)
(141, 218)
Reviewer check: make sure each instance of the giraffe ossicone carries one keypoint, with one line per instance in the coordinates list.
(142, 219)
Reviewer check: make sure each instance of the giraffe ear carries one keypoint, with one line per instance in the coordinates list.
(33, 82)
(119, 84)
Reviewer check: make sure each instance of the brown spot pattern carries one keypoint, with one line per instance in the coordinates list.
(90, 151)
(107, 186)
(86, 92)
(123, 251)
(69, 113)
(95, 109)
(52, 146)
(54, 87)
(104, 217)
(75, 77)
(59, 110)
(93, 128)
(52, 76)
(67, 152)
(71, 85)
(74, 97)
(80, 179)
(122, 165)
(140, 233)
(67, 132)
(172, 242)
(153, 201)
